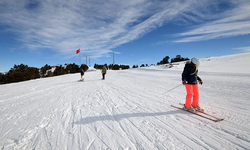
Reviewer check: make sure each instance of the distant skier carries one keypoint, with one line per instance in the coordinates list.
(189, 79)
(104, 71)
(82, 73)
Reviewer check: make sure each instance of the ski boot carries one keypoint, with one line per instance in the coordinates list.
(198, 108)
(189, 109)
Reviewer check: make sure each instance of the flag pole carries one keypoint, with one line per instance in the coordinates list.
(80, 59)
(89, 61)
(86, 60)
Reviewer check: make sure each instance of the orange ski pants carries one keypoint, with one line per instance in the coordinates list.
(192, 92)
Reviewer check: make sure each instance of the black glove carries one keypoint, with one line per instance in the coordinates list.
(200, 82)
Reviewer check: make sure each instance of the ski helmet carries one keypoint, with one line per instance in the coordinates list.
(195, 61)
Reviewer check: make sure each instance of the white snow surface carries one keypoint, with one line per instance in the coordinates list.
(130, 110)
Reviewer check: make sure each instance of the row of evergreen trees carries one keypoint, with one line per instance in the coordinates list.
(24, 72)
(112, 67)
(19, 73)
(178, 58)
(165, 60)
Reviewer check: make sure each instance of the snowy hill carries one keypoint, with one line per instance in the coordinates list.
(129, 110)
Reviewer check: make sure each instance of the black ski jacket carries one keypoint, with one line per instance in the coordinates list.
(82, 72)
(189, 74)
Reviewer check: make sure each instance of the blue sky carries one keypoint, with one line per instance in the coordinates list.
(39, 32)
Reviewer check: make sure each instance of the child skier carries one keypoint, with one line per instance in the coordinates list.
(189, 79)
(82, 73)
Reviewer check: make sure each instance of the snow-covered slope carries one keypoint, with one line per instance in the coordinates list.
(236, 64)
(129, 110)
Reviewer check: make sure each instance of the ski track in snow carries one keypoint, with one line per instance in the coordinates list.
(129, 110)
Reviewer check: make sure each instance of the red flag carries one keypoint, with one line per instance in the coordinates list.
(78, 51)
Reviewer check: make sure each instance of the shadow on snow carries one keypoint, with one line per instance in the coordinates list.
(119, 117)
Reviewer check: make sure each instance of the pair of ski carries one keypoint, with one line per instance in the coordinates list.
(200, 113)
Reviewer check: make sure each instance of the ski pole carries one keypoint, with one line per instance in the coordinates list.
(171, 89)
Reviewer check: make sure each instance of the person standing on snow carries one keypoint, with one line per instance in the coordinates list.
(189, 79)
(82, 73)
(104, 71)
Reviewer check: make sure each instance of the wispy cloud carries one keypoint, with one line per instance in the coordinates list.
(244, 49)
(234, 21)
(92, 25)
(97, 27)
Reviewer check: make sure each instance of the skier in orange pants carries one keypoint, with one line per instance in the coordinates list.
(189, 79)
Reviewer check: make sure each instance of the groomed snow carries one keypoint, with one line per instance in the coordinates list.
(129, 110)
